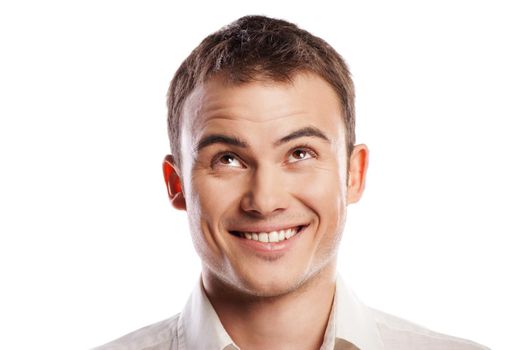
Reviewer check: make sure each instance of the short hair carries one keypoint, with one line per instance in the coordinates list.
(259, 48)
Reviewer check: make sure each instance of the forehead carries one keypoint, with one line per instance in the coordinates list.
(263, 109)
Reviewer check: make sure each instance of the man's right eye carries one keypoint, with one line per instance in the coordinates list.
(227, 160)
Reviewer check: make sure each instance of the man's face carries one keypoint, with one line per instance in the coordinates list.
(265, 160)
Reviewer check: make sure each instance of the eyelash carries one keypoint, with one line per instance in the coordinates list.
(304, 147)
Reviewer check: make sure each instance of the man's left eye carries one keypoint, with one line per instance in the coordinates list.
(300, 154)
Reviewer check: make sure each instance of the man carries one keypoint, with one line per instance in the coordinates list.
(261, 125)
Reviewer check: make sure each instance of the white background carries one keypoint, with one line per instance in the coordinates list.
(90, 248)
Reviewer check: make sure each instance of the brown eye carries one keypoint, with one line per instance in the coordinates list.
(228, 160)
(299, 154)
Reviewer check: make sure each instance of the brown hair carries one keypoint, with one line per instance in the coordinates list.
(259, 48)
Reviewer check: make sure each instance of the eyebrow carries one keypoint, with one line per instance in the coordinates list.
(309, 131)
(220, 138)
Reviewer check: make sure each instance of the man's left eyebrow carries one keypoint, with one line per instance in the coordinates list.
(309, 131)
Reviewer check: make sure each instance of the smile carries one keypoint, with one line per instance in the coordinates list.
(270, 236)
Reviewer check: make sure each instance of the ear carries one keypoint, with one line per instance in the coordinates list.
(359, 160)
(173, 183)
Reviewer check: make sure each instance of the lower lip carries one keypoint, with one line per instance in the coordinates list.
(271, 247)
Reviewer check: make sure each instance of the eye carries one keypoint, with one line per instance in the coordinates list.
(228, 160)
(301, 153)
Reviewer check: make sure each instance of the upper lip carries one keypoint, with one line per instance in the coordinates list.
(266, 228)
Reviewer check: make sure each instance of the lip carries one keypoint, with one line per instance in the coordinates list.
(266, 228)
(268, 248)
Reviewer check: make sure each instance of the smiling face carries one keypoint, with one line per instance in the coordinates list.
(264, 178)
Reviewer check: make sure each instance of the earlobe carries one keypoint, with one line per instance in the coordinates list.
(173, 183)
(357, 173)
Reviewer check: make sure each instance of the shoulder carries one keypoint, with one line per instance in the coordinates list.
(158, 336)
(398, 333)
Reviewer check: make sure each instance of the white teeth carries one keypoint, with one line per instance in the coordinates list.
(273, 236)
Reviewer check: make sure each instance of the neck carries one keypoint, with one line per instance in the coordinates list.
(296, 320)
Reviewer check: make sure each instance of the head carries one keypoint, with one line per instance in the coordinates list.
(261, 126)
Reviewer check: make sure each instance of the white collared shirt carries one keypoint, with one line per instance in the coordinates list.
(352, 325)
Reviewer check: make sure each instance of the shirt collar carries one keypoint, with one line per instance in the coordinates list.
(353, 321)
(199, 326)
(350, 321)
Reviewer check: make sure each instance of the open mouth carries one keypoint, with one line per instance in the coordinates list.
(270, 237)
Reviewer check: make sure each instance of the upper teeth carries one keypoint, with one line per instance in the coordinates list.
(273, 236)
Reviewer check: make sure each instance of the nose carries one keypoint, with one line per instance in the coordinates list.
(266, 192)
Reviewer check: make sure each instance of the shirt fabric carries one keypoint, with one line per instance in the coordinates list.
(351, 325)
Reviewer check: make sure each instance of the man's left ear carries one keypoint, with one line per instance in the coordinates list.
(359, 160)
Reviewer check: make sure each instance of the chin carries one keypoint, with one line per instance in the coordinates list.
(270, 286)
(274, 285)
(271, 290)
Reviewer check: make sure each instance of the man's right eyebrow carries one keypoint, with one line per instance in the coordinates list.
(220, 138)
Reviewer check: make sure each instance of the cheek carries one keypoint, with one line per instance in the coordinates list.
(213, 196)
(322, 192)
(321, 186)
(208, 202)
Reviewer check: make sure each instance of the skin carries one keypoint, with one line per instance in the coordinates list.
(267, 301)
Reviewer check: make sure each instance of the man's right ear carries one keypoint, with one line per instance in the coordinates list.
(173, 183)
